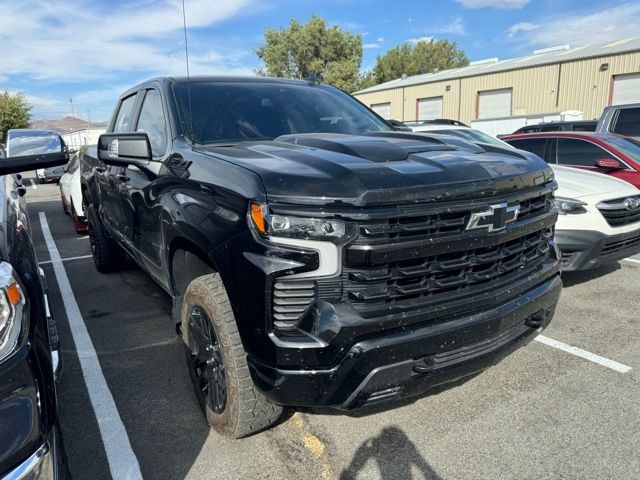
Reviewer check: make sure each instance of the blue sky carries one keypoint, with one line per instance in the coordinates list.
(92, 50)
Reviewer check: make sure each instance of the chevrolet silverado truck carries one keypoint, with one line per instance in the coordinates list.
(315, 255)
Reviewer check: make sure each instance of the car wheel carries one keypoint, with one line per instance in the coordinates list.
(107, 254)
(218, 363)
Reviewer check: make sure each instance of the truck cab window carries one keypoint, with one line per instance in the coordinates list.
(628, 122)
(123, 119)
(152, 122)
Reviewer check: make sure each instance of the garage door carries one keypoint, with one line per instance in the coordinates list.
(382, 109)
(626, 89)
(494, 103)
(429, 108)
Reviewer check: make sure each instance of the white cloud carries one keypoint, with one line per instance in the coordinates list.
(513, 30)
(420, 39)
(380, 40)
(456, 27)
(80, 40)
(601, 26)
(505, 4)
(369, 46)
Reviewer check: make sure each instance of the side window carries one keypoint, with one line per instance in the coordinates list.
(628, 122)
(152, 122)
(550, 128)
(125, 112)
(533, 145)
(579, 152)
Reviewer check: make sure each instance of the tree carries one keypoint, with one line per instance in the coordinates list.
(15, 112)
(425, 57)
(305, 50)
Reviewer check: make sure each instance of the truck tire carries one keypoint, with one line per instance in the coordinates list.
(107, 254)
(218, 363)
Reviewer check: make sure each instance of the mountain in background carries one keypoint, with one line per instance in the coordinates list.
(66, 125)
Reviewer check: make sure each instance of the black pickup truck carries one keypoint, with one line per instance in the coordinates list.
(316, 256)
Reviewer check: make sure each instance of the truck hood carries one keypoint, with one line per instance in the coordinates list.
(577, 183)
(383, 168)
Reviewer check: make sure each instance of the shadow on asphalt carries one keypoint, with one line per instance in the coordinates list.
(569, 279)
(394, 454)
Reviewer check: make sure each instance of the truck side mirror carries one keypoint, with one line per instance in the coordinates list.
(123, 149)
(609, 164)
(33, 149)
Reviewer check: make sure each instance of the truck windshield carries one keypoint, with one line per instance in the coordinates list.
(233, 112)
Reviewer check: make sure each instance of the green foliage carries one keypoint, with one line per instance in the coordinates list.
(304, 50)
(14, 113)
(424, 57)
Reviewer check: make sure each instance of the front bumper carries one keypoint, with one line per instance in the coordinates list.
(412, 360)
(587, 249)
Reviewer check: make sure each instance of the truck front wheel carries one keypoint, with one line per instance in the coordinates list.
(107, 254)
(218, 363)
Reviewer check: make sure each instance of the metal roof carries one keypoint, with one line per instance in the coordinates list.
(493, 65)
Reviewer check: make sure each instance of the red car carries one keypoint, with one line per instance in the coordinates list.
(599, 152)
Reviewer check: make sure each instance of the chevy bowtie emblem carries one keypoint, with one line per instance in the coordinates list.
(494, 218)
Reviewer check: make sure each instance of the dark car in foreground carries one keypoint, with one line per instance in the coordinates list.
(316, 256)
(605, 153)
(30, 439)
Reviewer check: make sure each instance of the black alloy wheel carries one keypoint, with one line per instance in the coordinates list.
(206, 360)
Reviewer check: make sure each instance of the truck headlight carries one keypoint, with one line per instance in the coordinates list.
(569, 206)
(11, 306)
(274, 225)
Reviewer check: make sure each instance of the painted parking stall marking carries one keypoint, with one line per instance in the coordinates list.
(34, 184)
(632, 260)
(68, 259)
(122, 461)
(605, 362)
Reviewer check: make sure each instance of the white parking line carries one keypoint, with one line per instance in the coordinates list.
(122, 461)
(633, 260)
(34, 185)
(605, 362)
(81, 257)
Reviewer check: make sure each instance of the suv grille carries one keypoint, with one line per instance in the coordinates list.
(617, 215)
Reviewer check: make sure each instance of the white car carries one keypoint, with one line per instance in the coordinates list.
(460, 130)
(599, 218)
(71, 194)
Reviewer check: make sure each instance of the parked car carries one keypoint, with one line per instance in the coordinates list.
(612, 155)
(599, 218)
(462, 131)
(51, 174)
(342, 268)
(568, 126)
(71, 194)
(621, 120)
(30, 438)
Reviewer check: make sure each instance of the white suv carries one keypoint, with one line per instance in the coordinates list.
(599, 218)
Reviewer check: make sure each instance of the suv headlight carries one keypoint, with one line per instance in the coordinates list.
(11, 305)
(569, 206)
(274, 225)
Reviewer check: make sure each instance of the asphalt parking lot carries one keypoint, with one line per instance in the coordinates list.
(541, 413)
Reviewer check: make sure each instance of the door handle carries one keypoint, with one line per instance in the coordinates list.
(122, 177)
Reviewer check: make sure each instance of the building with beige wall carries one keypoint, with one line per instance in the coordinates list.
(547, 81)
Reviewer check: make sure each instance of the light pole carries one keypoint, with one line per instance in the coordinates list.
(89, 117)
(73, 115)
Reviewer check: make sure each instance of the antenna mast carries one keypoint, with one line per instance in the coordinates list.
(186, 56)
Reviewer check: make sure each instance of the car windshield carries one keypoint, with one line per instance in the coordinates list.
(628, 146)
(474, 136)
(232, 112)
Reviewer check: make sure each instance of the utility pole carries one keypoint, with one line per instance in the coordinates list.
(89, 117)
(73, 115)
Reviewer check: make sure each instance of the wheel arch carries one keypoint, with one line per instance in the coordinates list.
(186, 260)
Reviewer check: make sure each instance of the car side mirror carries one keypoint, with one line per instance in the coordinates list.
(609, 164)
(123, 149)
(32, 150)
